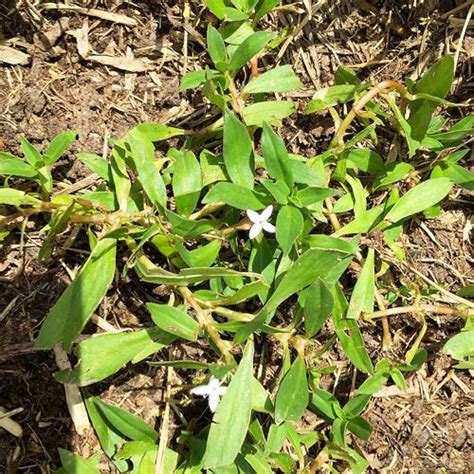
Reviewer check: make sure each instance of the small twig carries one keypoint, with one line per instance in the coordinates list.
(461, 37)
(103, 15)
(103, 324)
(455, 298)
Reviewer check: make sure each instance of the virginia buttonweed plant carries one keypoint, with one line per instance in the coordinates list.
(237, 228)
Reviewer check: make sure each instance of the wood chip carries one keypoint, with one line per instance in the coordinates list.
(82, 38)
(8, 424)
(123, 63)
(13, 56)
(74, 401)
(129, 64)
(103, 15)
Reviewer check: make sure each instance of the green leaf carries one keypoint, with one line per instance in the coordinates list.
(232, 418)
(12, 166)
(211, 168)
(174, 321)
(217, 7)
(242, 294)
(232, 14)
(276, 438)
(97, 165)
(365, 160)
(242, 5)
(69, 315)
(249, 48)
(419, 198)
(314, 263)
(181, 364)
(203, 256)
(121, 180)
(57, 224)
(435, 82)
(327, 242)
(338, 431)
(216, 46)
(186, 182)
(438, 78)
(458, 175)
(238, 151)
(15, 197)
(360, 427)
(193, 79)
(108, 438)
(359, 195)
(326, 404)
(331, 96)
(272, 111)
(364, 223)
(394, 172)
(362, 298)
(278, 79)
(259, 463)
(32, 155)
(356, 405)
(58, 146)
(457, 132)
(346, 75)
(413, 141)
(276, 156)
(156, 132)
(292, 396)
(130, 426)
(74, 464)
(317, 307)
(235, 196)
(289, 226)
(349, 334)
(103, 355)
(264, 7)
(260, 400)
(279, 190)
(187, 276)
(312, 195)
(461, 345)
(143, 155)
(466, 291)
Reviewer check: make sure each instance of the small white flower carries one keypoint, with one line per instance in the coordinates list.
(213, 391)
(260, 221)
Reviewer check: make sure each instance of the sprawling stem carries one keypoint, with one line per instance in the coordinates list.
(206, 321)
(422, 308)
(380, 88)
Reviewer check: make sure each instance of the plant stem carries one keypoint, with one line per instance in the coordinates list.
(387, 337)
(380, 88)
(422, 308)
(207, 323)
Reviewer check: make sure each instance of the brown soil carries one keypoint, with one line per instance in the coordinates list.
(423, 430)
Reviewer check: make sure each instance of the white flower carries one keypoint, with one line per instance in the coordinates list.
(213, 391)
(260, 221)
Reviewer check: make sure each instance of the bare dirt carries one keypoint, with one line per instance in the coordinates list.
(426, 429)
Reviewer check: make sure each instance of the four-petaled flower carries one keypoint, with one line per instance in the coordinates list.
(213, 391)
(260, 221)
